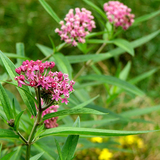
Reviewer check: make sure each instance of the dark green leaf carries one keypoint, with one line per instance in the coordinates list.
(17, 120)
(5, 101)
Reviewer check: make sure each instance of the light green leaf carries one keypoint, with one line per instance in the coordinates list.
(5, 101)
(12, 55)
(89, 132)
(36, 157)
(113, 53)
(72, 111)
(143, 76)
(63, 64)
(124, 44)
(10, 67)
(114, 81)
(60, 157)
(140, 111)
(50, 10)
(96, 8)
(5, 133)
(124, 73)
(7, 156)
(98, 41)
(49, 153)
(146, 17)
(20, 51)
(17, 153)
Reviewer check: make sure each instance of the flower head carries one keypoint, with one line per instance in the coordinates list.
(97, 139)
(119, 14)
(76, 26)
(53, 85)
(105, 154)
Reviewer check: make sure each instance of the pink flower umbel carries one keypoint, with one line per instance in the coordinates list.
(119, 14)
(54, 86)
(76, 26)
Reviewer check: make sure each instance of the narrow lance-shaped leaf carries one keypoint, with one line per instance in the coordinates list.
(70, 144)
(96, 8)
(50, 10)
(60, 157)
(16, 124)
(36, 157)
(114, 81)
(5, 133)
(5, 103)
(63, 64)
(72, 111)
(10, 67)
(89, 132)
(112, 53)
(124, 44)
(8, 156)
(20, 51)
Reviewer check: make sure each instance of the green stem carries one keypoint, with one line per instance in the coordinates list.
(88, 63)
(36, 124)
(23, 139)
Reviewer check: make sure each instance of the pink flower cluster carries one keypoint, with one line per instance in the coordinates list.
(119, 14)
(37, 74)
(76, 27)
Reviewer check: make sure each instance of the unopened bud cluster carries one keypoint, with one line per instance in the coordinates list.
(76, 26)
(37, 74)
(119, 14)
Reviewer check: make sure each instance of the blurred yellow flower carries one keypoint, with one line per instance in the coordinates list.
(97, 139)
(130, 140)
(105, 154)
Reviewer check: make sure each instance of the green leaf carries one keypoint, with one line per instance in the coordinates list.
(112, 53)
(72, 111)
(86, 102)
(5, 133)
(143, 76)
(69, 147)
(114, 81)
(48, 152)
(10, 67)
(50, 10)
(0, 149)
(16, 124)
(59, 150)
(89, 132)
(63, 64)
(20, 51)
(96, 8)
(98, 41)
(140, 111)
(77, 122)
(12, 55)
(124, 44)
(124, 73)
(5, 103)
(7, 156)
(146, 17)
(17, 153)
(36, 157)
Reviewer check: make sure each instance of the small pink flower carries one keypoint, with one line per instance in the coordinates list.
(76, 26)
(119, 14)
